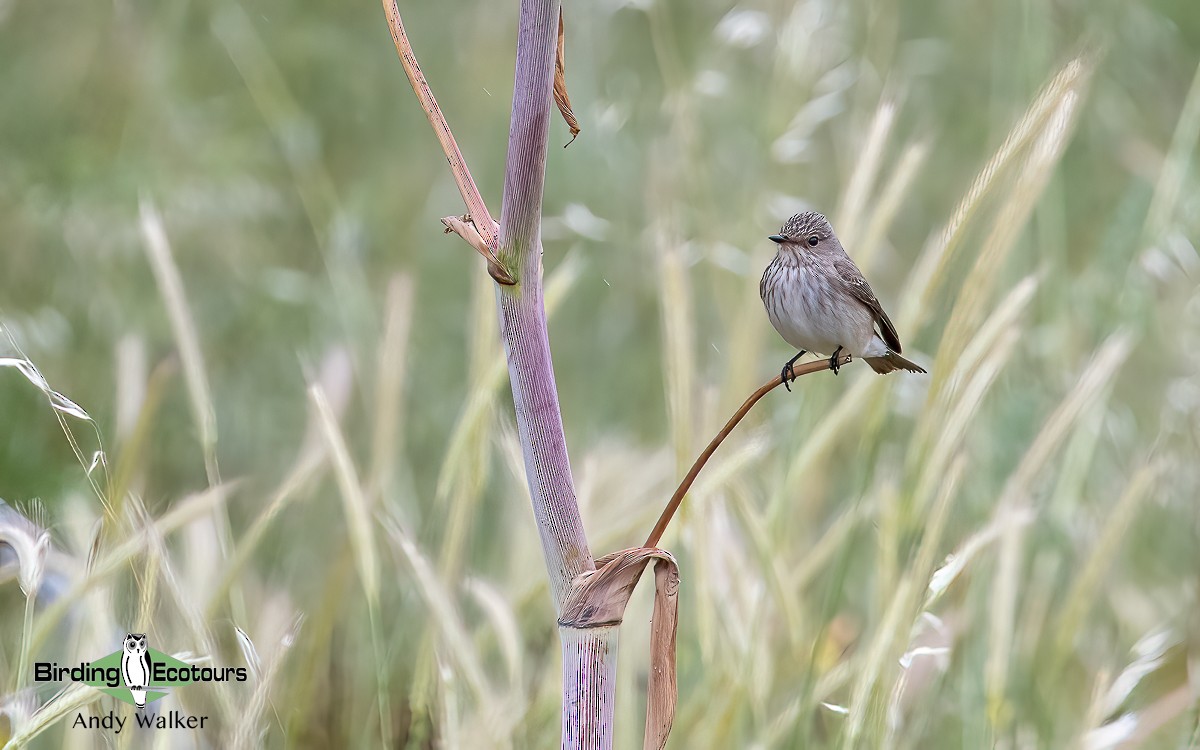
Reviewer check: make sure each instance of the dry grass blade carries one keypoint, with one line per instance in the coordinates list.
(957, 421)
(504, 625)
(354, 500)
(67, 701)
(362, 538)
(441, 605)
(1175, 168)
(902, 611)
(183, 327)
(946, 420)
(774, 567)
(466, 468)
(170, 286)
(830, 543)
(850, 408)
(303, 473)
(147, 570)
(64, 407)
(1015, 499)
(268, 86)
(1132, 729)
(249, 653)
(678, 331)
(336, 379)
(139, 440)
(31, 545)
(561, 99)
(881, 647)
(866, 169)
(1091, 383)
(390, 377)
(110, 562)
(912, 680)
(976, 289)
(956, 562)
(888, 204)
(934, 264)
(249, 732)
(1150, 653)
(1103, 552)
(158, 568)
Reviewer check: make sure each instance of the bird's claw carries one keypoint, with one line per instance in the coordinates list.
(835, 360)
(788, 374)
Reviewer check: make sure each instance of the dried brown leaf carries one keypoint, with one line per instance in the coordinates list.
(661, 689)
(465, 227)
(598, 599)
(561, 98)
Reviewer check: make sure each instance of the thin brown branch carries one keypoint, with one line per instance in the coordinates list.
(476, 208)
(673, 505)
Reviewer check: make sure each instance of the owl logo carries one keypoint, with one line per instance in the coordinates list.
(135, 666)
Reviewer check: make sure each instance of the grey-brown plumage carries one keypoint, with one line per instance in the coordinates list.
(818, 300)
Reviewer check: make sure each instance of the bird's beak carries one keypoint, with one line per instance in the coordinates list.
(778, 239)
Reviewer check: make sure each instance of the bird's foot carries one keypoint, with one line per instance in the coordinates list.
(787, 374)
(834, 360)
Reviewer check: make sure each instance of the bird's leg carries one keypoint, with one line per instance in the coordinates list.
(787, 373)
(833, 360)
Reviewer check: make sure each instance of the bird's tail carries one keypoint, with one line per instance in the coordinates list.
(139, 698)
(892, 361)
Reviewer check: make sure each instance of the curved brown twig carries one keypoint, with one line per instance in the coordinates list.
(673, 505)
(484, 225)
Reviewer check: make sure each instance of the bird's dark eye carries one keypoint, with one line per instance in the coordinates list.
(813, 240)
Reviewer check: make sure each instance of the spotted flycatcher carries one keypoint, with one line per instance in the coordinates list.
(819, 301)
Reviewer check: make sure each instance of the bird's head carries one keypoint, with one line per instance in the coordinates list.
(805, 232)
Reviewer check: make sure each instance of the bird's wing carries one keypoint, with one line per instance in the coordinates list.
(861, 290)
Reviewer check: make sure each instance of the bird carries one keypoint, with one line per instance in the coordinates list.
(818, 300)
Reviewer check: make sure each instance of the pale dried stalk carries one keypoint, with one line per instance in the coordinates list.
(183, 325)
(479, 214)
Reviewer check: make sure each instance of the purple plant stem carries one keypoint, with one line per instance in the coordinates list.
(589, 656)
(522, 313)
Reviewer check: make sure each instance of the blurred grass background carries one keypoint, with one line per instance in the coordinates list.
(1018, 180)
